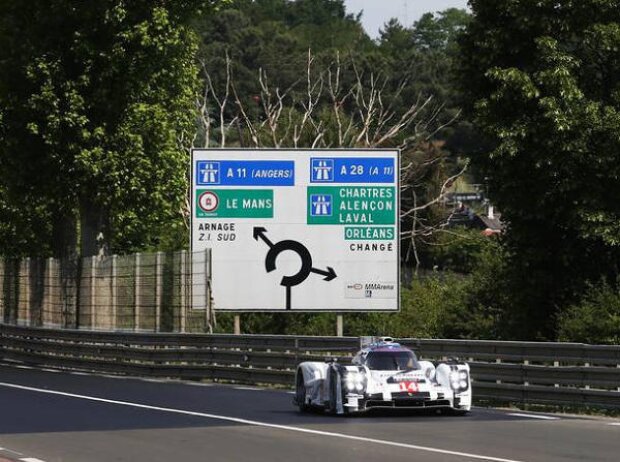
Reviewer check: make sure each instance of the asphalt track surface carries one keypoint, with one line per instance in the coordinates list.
(54, 416)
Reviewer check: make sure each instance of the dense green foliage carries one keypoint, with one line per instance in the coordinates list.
(542, 80)
(596, 318)
(459, 250)
(426, 56)
(276, 35)
(94, 98)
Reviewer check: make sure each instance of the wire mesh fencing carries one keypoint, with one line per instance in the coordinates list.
(150, 292)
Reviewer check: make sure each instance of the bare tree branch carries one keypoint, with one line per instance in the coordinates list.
(320, 110)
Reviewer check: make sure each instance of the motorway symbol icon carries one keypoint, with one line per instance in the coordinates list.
(306, 262)
(322, 170)
(209, 172)
(321, 205)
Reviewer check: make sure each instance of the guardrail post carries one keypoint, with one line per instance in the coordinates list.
(525, 363)
(93, 292)
(587, 386)
(114, 291)
(136, 292)
(498, 361)
(556, 364)
(237, 327)
(158, 290)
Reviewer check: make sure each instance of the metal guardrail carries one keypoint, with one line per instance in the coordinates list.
(604, 355)
(523, 372)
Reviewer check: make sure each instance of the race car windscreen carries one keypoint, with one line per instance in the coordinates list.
(391, 361)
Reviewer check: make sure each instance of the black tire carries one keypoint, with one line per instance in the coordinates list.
(333, 390)
(300, 393)
(459, 412)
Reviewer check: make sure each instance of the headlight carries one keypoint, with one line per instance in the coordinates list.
(454, 379)
(458, 380)
(354, 381)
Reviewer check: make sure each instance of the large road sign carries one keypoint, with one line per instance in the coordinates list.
(299, 230)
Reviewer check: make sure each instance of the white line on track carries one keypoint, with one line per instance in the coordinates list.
(248, 388)
(12, 452)
(263, 424)
(616, 424)
(533, 416)
(25, 459)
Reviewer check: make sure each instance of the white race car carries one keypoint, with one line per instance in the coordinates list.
(383, 374)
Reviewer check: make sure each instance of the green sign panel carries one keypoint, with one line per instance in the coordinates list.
(369, 233)
(234, 203)
(351, 205)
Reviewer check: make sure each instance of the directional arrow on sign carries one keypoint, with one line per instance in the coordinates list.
(306, 262)
(259, 232)
(329, 274)
(299, 249)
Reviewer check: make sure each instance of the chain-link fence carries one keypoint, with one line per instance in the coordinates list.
(157, 292)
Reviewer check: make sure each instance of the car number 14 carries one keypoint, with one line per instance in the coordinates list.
(410, 387)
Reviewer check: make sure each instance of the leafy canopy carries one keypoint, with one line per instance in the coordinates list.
(542, 80)
(95, 98)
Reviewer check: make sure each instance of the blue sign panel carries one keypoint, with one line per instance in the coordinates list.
(321, 205)
(352, 170)
(245, 173)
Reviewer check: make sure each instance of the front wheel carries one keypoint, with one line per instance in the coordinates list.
(300, 394)
(332, 408)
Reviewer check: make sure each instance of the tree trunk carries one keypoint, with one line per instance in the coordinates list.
(64, 233)
(93, 230)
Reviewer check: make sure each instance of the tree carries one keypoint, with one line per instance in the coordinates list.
(542, 80)
(96, 102)
(425, 54)
(439, 31)
(275, 36)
